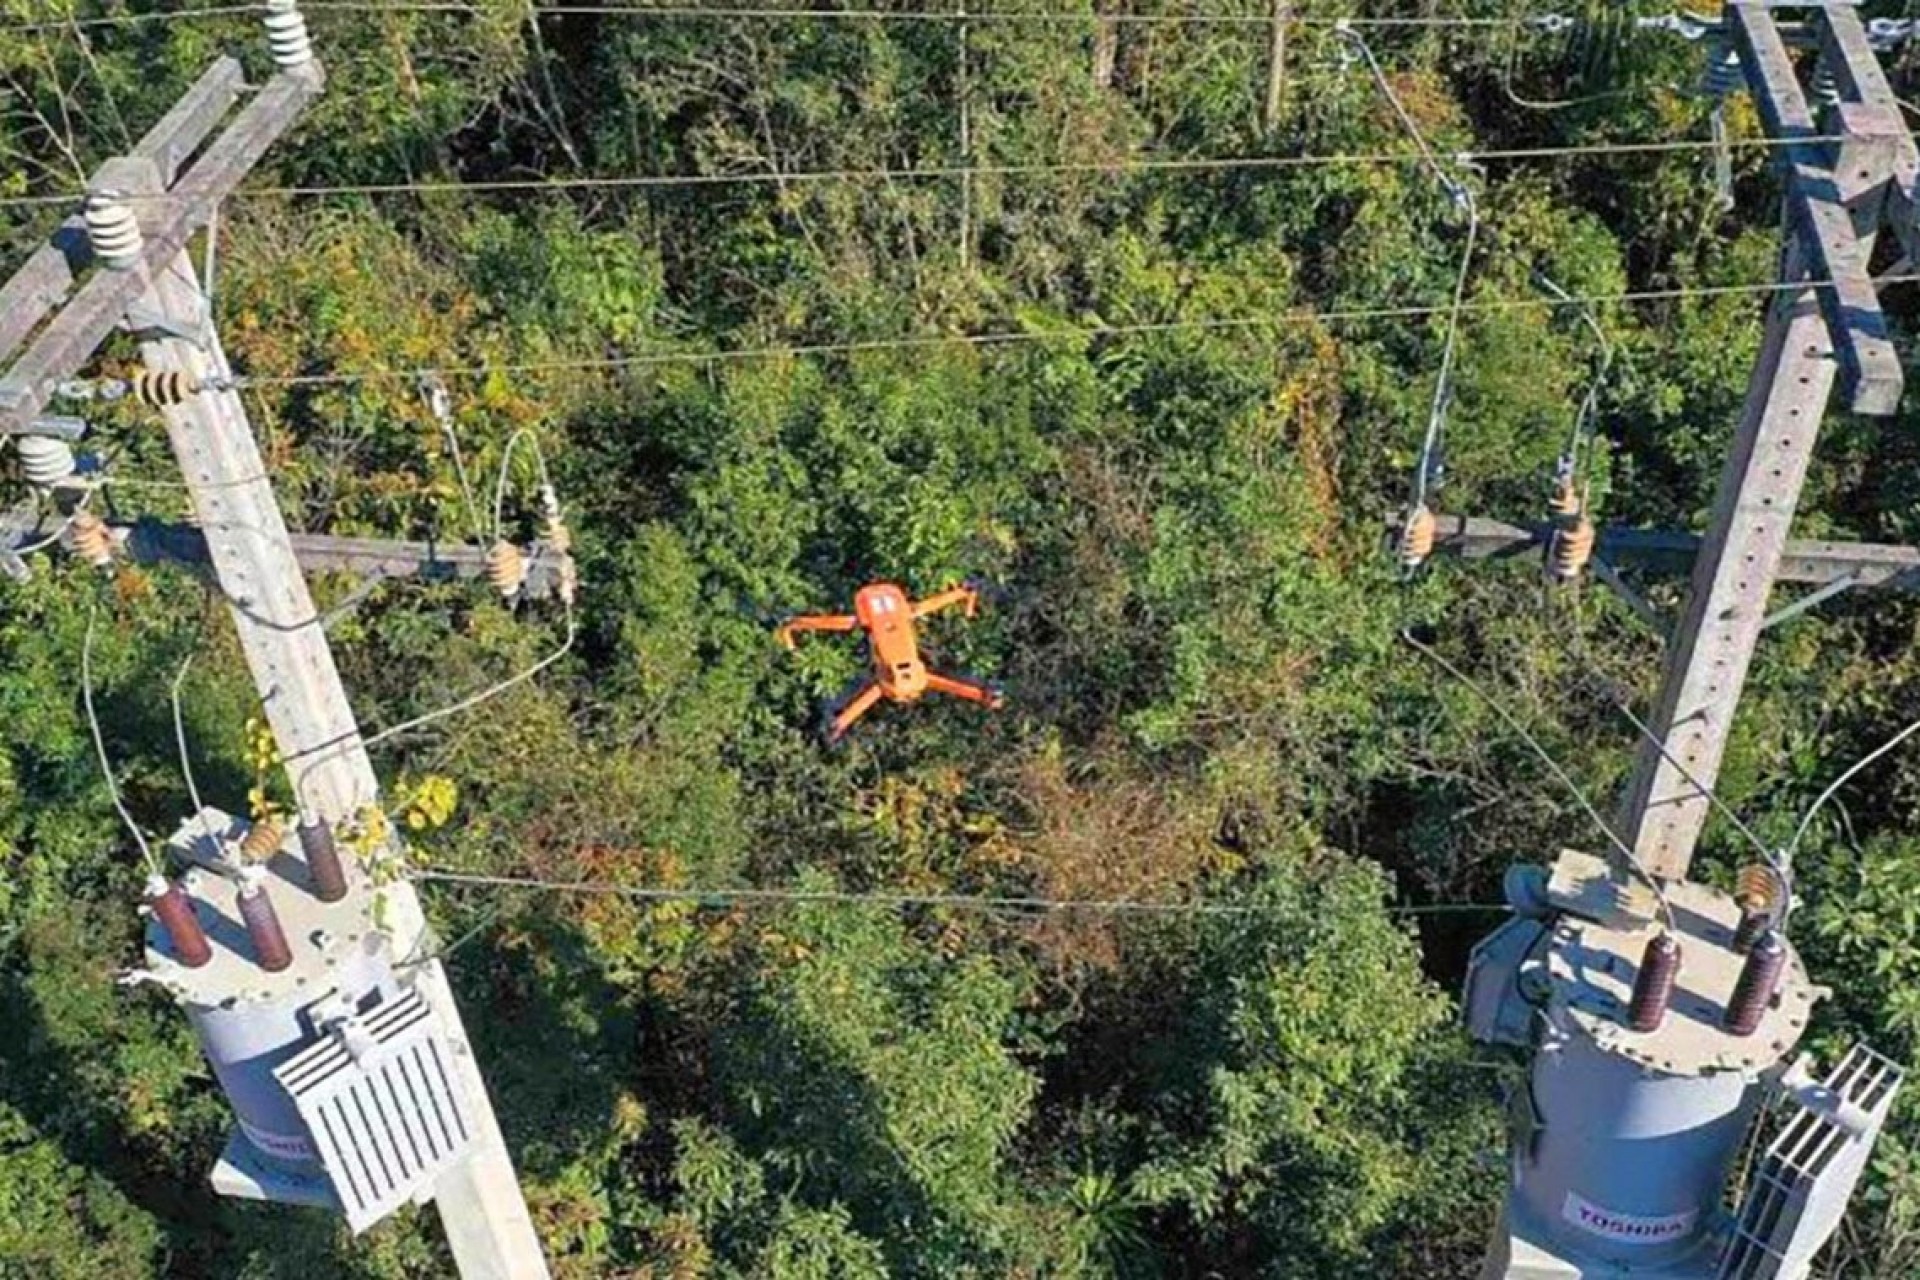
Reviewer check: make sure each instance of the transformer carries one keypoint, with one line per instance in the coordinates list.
(340, 1080)
(1623, 1140)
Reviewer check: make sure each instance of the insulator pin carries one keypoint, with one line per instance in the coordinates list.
(90, 539)
(506, 569)
(323, 859)
(45, 461)
(1417, 536)
(287, 36)
(1653, 985)
(263, 839)
(113, 231)
(174, 910)
(263, 928)
(1758, 979)
(1572, 550)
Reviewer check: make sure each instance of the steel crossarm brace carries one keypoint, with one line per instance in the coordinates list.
(162, 542)
(102, 304)
(1865, 564)
(44, 281)
(1835, 206)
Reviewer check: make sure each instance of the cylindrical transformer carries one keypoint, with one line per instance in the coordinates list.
(1636, 1130)
(250, 1020)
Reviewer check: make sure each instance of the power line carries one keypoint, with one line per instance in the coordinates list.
(775, 13)
(934, 173)
(842, 897)
(1007, 337)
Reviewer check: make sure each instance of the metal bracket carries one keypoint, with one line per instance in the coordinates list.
(1787, 613)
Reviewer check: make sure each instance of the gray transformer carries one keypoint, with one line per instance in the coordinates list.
(1623, 1140)
(335, 1028)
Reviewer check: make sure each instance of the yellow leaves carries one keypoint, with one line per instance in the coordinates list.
(427, 804)
(262, 749)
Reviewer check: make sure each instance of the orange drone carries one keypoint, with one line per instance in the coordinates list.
(887, 616)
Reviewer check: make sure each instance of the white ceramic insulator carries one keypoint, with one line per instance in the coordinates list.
(113, 231)
(44, 461)
(287, 35)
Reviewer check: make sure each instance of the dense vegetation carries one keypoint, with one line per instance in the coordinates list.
(1209, 696)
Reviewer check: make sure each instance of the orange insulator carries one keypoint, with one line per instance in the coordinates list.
(1417, 536)
(506, 569)
(90, 539)
(263, 839)
(164, 389)
(1571, 550)
(1565, 506)
(1760, 894)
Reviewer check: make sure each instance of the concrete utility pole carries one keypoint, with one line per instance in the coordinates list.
(1660, 1014)
(333, 1032)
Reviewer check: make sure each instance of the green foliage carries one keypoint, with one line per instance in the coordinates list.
(1178, 520)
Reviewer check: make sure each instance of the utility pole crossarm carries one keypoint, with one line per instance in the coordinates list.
(149, 541)
(102, 304)
(1820, 563)
(1835, 205)
(44, 281)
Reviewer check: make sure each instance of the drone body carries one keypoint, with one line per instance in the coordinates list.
(887, 614)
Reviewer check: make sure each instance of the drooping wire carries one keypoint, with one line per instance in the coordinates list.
(506, 475)
(1011, 337)
(1632, 860)
(1834, 787)
(1134, 165)
(485, 695)
(1581, 435)
(440, 404)
(99, 741)
(1774, 861)
(733, 897)
(180, 739)
(1427, 469)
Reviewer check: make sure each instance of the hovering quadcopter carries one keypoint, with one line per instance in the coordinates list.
(887, 615)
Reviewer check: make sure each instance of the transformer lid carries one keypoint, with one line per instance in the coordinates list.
(1591, 965)
(321, 935)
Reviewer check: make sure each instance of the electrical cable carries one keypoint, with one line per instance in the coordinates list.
(506, 475)
(1425, 475)
(100, 742)
(440, 404)
(780, 13)
(485, 695)
(1767, 855)
(180, 739)
(1012, 337)
(1580, 436)
(1841, 781)
(1632, 861)
(1138, 165)
(731, 897)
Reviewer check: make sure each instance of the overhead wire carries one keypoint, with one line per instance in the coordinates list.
(1134, 165)
(1833, 788)
(1631, 859)
(99, 740)
(1426, 474)
(777, 13)
(748, 896)
(919, 342)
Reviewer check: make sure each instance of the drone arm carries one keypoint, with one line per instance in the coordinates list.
(970, 690)
(786, 631)
(965, 595)
(857, 706)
